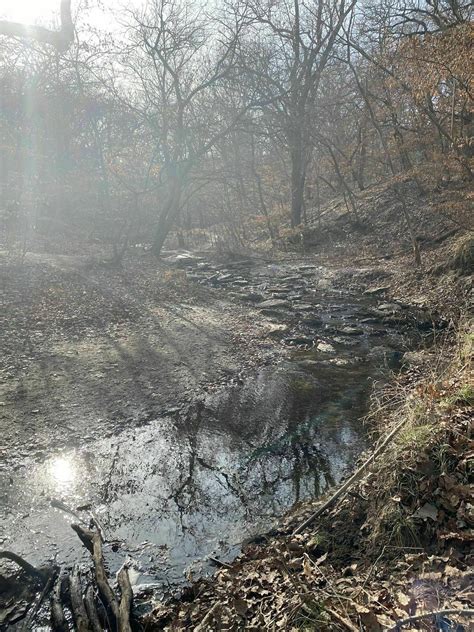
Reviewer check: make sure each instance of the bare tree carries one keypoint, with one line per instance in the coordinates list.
(300, 38)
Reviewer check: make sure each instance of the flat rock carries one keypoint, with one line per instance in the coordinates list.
(389, 308)
(350, 342)
(374, 291)
(253, 297)
(275, 304)
(299, 340)
(183, 259)
(351, 331)
(273, 313)
(312, 321)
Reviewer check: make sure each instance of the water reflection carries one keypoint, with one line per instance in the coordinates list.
(181, 489)
(63, 471)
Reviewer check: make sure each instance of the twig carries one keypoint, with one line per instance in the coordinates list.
(353, 479)
(203, 626)
(46, 589)
(342, 620)
(218, 562)
(419, 617)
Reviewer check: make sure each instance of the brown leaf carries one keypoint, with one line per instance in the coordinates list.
(241, 607)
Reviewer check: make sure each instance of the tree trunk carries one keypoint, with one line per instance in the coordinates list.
(171, 209)
(298, 176)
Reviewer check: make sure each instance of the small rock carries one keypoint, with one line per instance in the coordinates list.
(325, 347)
(253, 297)
(275, 331)
(339, 361)
(389, 356)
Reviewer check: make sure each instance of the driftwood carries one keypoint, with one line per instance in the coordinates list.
(79, 612)
(58, 620)
(92, 613)
(120, 611)
(350, 481)
(126, 599)
(440, 613)
(93, 542)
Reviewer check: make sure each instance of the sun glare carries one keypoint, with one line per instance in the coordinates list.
(62, 471)
(30, 11)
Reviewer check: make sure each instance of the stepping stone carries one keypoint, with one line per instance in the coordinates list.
(389, 308)
(300, 340)
(275, 304)
(312, 321)
(351, 331)
(374, 291)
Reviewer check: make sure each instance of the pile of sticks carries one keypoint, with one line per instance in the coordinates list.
(83, 601)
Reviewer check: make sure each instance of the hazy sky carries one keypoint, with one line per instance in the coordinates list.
(29, 10)
(46, 12)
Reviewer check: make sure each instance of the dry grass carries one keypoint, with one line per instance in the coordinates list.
(427, 399)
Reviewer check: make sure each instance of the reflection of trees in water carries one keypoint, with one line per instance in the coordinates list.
(201, 479)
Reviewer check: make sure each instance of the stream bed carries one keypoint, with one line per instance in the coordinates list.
(193, 485)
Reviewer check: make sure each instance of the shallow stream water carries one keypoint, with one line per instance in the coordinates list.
(182, 489)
